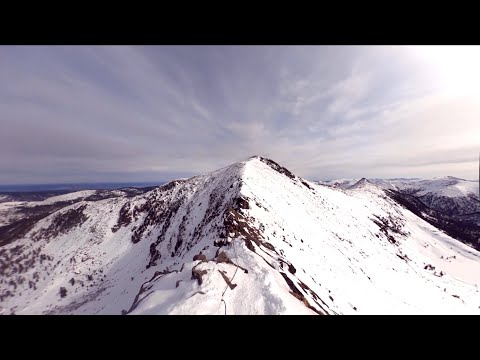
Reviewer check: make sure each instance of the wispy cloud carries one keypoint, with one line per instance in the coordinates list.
(103, 113)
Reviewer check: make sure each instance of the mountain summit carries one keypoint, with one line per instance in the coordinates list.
(250, 238)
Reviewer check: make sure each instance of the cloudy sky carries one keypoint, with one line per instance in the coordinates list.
(121, 113)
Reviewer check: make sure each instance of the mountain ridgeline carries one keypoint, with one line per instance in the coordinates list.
(250, 238)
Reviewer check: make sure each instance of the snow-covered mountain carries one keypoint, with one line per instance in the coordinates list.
(251, 238)
(14, 207)
(457, 198)
(447, 186)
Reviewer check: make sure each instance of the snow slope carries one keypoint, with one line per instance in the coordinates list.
(251, 238)
(7, 212)
(447, 186)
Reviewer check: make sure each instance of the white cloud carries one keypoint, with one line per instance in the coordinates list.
(322, 111)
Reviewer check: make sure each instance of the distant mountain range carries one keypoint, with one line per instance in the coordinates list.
(455, 197)
(73, 187)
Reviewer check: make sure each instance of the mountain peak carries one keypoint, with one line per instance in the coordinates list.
(360, 183)
(448, 177)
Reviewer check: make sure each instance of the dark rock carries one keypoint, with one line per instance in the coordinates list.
(63, 292)
(200, 257)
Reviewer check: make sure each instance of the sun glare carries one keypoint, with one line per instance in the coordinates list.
(457, 68)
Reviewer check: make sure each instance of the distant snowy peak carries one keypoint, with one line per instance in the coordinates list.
(339, 183)
(366, 186)
(448, 186)
(355, 184)
(361, 183)
(448, 177)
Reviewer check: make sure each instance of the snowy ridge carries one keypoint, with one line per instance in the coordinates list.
(447, 186)
(251, 238)
(65, 197)
(340, 183)
(11, 211)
